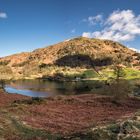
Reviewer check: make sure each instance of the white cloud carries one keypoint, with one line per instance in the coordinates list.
(3, 15)
(73, 31)
(86, 34)
(67, 40)
(134, 49)
(119, 26)
(92, 20)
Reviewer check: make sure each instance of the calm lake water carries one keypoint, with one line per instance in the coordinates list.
(44, 88)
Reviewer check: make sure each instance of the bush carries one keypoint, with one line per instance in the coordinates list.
(4, 63)
(119, 90)
(20, 64)
(33, 100)
(2, 84)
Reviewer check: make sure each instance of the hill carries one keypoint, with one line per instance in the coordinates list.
(78, 53)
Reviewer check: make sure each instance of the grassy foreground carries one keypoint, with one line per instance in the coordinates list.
(82, 117)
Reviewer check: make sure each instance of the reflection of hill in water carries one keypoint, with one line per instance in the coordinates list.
(55, 88)
(65, 88)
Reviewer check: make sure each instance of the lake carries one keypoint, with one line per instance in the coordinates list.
(44, 88)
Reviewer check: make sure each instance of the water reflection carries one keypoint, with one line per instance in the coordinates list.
(44, 88)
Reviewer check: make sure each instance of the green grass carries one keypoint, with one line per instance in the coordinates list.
(89, 74)
(82, 75)
(132, 73)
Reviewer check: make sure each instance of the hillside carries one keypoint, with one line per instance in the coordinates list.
(83, 53)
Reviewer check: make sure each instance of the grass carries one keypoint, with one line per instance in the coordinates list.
(86, 74)
(90, 74)
(66, 72)
(130, 73)
(26, 133)
(12, 128)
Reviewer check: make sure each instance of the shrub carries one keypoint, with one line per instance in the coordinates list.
(119, 90)
(6, 62)
(2, 84)
(5, 70)
(33, 100)
(20, 64)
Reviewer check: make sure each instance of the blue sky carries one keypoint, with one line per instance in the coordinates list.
(29, 24)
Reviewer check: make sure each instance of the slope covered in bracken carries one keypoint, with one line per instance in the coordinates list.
(77, 52)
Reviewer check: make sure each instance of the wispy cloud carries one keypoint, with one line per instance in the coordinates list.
(93, 20)
(3, 15)
(119, 26)
(73, 31)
